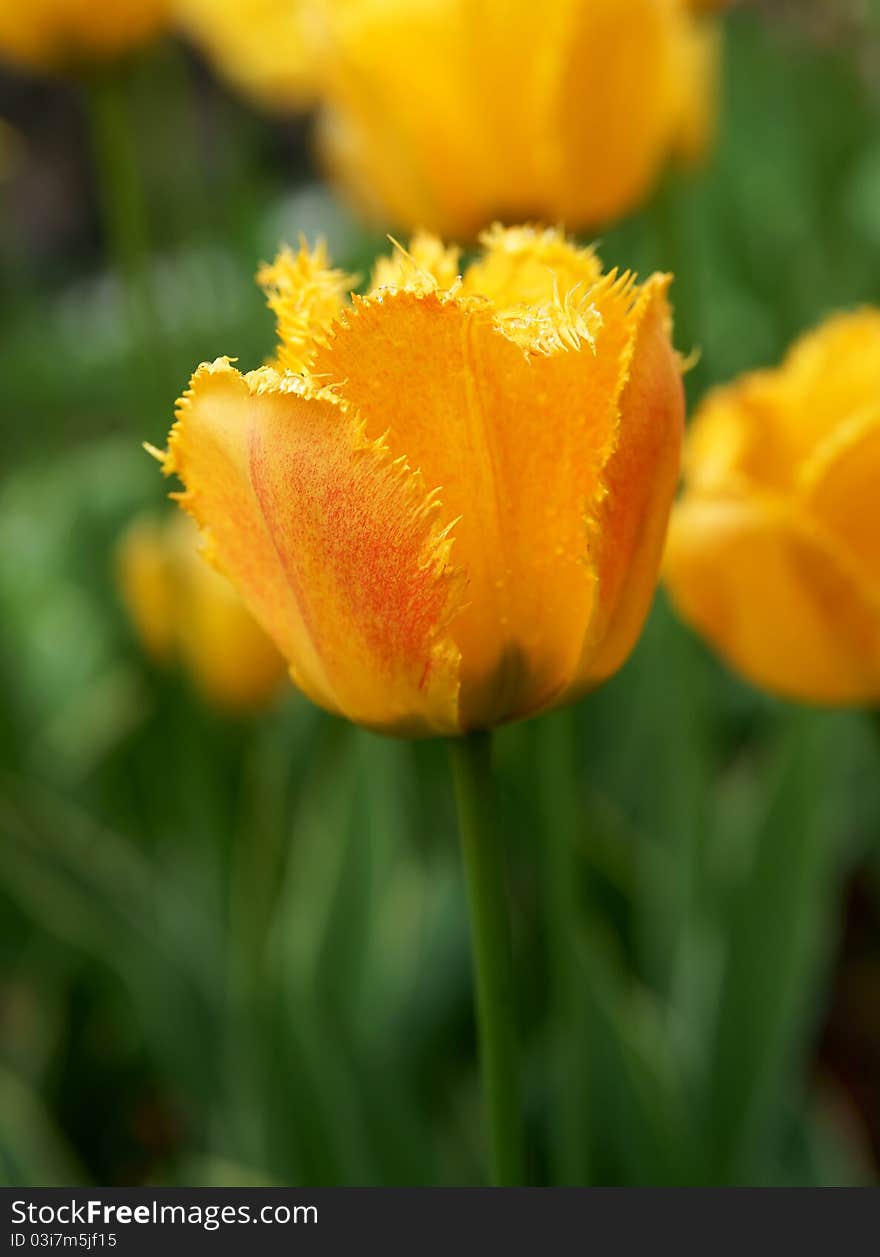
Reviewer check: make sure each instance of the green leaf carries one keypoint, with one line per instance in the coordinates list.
(775, 953)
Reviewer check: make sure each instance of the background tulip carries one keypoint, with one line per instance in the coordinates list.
(773, 551)
(261, 46)
(449, 115)
(453, 516)
(57, 34)
(422, 123)
(183, 609)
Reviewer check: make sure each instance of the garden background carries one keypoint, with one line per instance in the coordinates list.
(233, 950)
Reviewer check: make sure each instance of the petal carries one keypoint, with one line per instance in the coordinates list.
(840, 487)
(333, 545)
(828, 376)
(529, 266)
(616, 104)
(640, 479)
(515, 442)
(730, 439)
(262, 46)
(401, 128)
(450, 115)
(425, 266)
(776, 598)
(45, 34)
(305, 294)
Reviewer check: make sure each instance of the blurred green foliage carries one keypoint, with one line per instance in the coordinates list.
(235, 952)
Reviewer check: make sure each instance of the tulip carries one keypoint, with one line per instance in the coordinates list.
(261, 46)
(183, 610)
(57, 34)
(774, 550)
(449, 115)
(446, 502)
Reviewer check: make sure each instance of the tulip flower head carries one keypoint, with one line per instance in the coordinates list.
(446, 501)
(452, 113)
(448, 115)
(774, 550)
(57, 34)
(183, 610)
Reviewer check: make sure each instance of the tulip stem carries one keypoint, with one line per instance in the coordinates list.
(557, 768)
(484, 866)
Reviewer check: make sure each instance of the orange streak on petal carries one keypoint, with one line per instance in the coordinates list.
(334, 545)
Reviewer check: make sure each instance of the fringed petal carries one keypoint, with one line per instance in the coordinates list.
(305, 294)
(639, 480)
(516, 441)
(332, 541)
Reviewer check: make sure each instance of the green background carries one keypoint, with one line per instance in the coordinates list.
(235, 951)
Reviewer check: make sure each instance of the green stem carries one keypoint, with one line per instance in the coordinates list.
(482, 849)
(123, 203)
(569, 1075)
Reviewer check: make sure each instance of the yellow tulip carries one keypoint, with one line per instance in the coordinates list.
(774, 550)
(261, 46)
(446, 502)
(448, 115)
(184, 610)
(53, 34)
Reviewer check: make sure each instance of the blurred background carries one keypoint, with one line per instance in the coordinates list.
(233, 946)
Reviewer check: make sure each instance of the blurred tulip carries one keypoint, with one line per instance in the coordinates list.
(449, 115)
(261, 46)
(447, 501)
(182, 609)
(774, 550)
(56, 34)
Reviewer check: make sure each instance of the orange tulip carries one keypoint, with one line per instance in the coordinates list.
(447, 501)
(53, 34)
(184, 610)
(774, 550)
